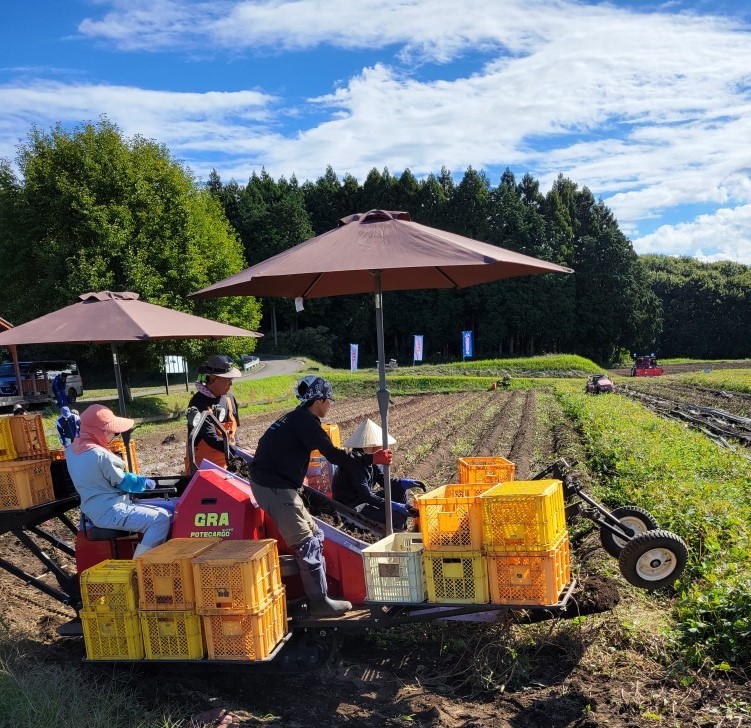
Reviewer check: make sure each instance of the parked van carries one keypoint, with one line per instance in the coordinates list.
(37, 378)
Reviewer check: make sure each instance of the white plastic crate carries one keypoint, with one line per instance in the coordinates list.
(394, 571)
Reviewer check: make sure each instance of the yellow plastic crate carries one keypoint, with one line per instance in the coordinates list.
(460, 577)
(28, 436)
(393, 570)
(25, 483)
(523, 516)
(451, 517)
(243, 635)
(7, 448)
(485, 470)
(173, 635)
(165, 573)
(118, 447)
(112, 635)
(111, 586)
(530, 578)
(237, 575)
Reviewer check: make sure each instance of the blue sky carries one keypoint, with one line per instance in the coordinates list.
(648, 104)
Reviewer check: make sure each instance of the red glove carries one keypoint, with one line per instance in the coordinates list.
(383, 457)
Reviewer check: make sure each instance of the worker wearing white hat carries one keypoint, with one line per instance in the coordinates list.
(355, 481)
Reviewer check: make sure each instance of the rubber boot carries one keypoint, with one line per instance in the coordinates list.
(309, 557)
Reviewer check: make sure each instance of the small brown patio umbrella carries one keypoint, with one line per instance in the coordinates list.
(114, 318)
(374, 252)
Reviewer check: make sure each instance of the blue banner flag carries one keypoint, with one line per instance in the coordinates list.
(466, 344)
(353, 357)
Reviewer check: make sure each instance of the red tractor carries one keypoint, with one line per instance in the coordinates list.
(599, 384)
(646, 366)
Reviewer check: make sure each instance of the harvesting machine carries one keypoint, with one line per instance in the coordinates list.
(215, 504)
(646, 366)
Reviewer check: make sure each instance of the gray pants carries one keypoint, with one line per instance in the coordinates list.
(300, 532)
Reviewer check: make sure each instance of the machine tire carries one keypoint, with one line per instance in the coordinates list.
(72, 395)
(653, 560)
(637, 519)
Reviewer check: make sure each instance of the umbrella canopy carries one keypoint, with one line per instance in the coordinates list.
(373, 252)
(408, 255)
(108, 317)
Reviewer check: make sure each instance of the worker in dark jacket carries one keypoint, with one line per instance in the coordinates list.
(59, 389)
(213, 392)
(277, 473)
(68, 426)
(355, 482)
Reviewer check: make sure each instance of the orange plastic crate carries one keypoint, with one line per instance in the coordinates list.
(523, 516)
(25, 483)
(27, 432)
(118, 447)
(243, 635)
(459, 577)
(165, 573)
(530, 578)
(172, 635)
(485, 470)
(237, 575)
(335, 436)
(112, 635)
(319, 475)
(110, 586)
(451, 517)
(7, 448)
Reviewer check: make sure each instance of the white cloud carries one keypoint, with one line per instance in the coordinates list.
(221, 122)
(723, 235)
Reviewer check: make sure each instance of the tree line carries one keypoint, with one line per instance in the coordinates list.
(90, 209)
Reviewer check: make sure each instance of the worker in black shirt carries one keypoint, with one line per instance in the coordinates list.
(213, 392)
(277, 472)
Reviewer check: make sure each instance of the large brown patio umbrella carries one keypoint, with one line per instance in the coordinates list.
(115, 318)
(374, 252)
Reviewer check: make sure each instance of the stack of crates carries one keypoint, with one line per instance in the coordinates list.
(111, 627)
(25, 478)
(170, 627)
(241, 599)
(320, 473)
(526, 542)
(452, 531)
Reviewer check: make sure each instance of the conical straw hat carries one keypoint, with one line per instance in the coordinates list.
(368, 434)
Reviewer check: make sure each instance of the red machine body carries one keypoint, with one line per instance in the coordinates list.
(646, 366)
(217, 503)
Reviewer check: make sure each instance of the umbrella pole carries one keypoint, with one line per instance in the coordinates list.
(118, 381)
(384, 397)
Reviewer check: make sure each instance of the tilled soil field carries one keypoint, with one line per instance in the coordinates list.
(609, 669)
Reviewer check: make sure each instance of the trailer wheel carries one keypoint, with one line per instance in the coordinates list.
(637, 519)
(72, 395)
(653, 560)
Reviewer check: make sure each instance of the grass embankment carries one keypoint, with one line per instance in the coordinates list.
(693, 488)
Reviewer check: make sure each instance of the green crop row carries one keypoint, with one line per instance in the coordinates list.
(693, 488)
(734, 380)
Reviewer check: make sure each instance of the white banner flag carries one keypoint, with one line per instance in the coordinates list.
(353, 357)
(417, 355)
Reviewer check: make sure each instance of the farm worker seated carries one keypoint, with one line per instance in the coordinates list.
(354, 483)
(277, 474)
(19, 409)
(100, 478)
(68, 426)
(59, 389)
(212, 392)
